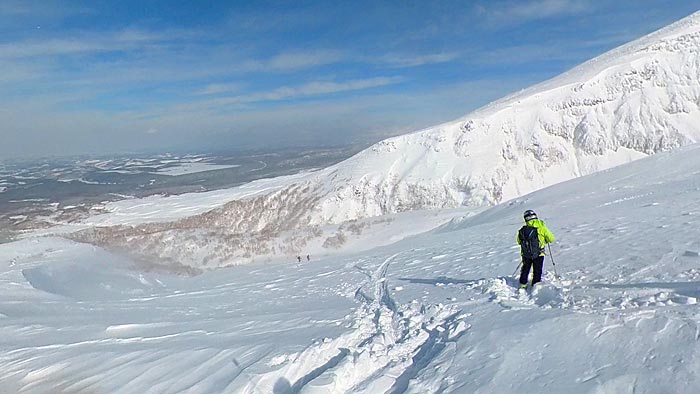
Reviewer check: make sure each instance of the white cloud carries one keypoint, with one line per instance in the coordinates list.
(39, 9)
(42, 48)
(218, 88)
(303, 60)
(524, 54)
(292, 61)
(518, 12)
(13, 8)
(309, 89)
(401, 61)
(13, 72)
(87, 42)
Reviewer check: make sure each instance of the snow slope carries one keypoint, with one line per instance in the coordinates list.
(636, 100)
(639, 99)
(436, 313)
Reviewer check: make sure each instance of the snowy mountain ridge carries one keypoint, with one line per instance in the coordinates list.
(669, 36)
(637, 100)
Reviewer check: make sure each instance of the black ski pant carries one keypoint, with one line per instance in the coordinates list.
(536, 265)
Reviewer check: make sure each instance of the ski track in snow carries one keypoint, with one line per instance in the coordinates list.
(387, 346)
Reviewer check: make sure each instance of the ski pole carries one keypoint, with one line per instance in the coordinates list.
(551, 256)
(516, 269)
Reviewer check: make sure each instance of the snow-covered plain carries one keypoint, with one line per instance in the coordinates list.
(192, 168)
(436, 313)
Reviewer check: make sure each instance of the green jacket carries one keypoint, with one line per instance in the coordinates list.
(545, 236)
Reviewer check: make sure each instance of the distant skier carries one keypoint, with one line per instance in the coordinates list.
(532, 238)
(299, 259)
(308, 257)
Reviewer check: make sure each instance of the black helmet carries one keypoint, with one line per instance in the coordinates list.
(529, 215)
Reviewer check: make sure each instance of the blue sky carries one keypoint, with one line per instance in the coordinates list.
(111, 76)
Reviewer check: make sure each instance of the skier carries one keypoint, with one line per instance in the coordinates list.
(532, 238)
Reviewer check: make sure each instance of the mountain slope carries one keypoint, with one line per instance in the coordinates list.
(437, 313)
(634, 101)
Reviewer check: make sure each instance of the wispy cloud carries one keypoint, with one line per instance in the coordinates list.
(13, 72)
(528, 54)
(290, 61)
(519, 12)
(402, 61)
(309, 90)
(87, 43)
(54, 9)
(302, 60)
(219, 88)
(55, 47)
(10, 7)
